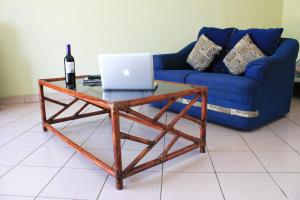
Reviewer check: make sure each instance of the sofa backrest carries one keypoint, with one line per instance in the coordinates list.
(267, 40)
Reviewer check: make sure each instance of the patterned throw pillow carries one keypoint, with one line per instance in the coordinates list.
(203, 53)
(242, 53)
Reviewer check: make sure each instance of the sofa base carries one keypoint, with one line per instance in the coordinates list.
(243, 123)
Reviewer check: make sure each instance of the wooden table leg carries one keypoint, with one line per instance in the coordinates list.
(203, 121)
(42, 105)
(116, 136)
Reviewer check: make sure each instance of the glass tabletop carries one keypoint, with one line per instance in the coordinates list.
(122, 95)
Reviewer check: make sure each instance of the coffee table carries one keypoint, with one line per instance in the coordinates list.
(121, 106)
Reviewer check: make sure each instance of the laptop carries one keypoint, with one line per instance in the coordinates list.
(126, 71)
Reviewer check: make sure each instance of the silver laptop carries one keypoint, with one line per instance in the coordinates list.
(126, 71)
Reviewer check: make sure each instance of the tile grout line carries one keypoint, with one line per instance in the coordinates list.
(291, 120)
(22, 133)
(283, 140)
(61, 168)
(59, 198)
(9, 195)
(215, 172)
(162, 166)
(105, 181)
(269, 173)
(37, 148)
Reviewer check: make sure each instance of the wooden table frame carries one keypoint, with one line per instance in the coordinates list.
(123, 109)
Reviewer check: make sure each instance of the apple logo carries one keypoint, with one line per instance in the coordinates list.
(126, 72)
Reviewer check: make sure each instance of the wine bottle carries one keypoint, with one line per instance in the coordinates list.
(69, 62)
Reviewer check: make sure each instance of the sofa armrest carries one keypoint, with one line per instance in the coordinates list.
(282, 63)
(173, 61)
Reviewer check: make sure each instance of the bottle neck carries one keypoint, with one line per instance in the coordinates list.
(68, 50)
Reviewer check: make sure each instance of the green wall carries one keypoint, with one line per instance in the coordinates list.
(291, 18)
(33, 33)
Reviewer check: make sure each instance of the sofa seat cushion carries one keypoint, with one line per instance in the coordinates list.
(178, 76)
(229, 88)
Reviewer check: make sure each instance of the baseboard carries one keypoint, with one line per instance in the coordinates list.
(32, 98)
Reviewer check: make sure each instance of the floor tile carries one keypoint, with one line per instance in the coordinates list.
(106, 128)
(33, 117)
(235, 161)
(293, 140)
(294, 116)
(31, 139)
(193, 161)
(9, 117)
(290, 184)
(139, 129)
(38, 128)
(77, 138)
(76, 183)
(284, 126)
(27, 181)
(99, 141)
(272, 142)
(149, 110)
(198, 186)
(280, 161)
(4, 169)
(107, 155)
(49, 198)
(3, 124)
(131, 145)
(220, 143)
(143, 132)
(260, 132)
(81, 162)
(23, 125)
(3, 197)
(6, 137)
(58, 126)
(11, 155)
(12, 130)
(48, 157)
(179, 144)
(142, 186)
(249, 186)
(240, 173)
(94, 120)
(129, 155)
(214, 129)
(188, 127)
(79, 128)
(24, 108)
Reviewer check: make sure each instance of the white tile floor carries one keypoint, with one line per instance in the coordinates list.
(262, 164)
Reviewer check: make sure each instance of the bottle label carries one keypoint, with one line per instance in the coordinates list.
(70, 67)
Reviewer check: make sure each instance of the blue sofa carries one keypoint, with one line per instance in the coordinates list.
(260, 95)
